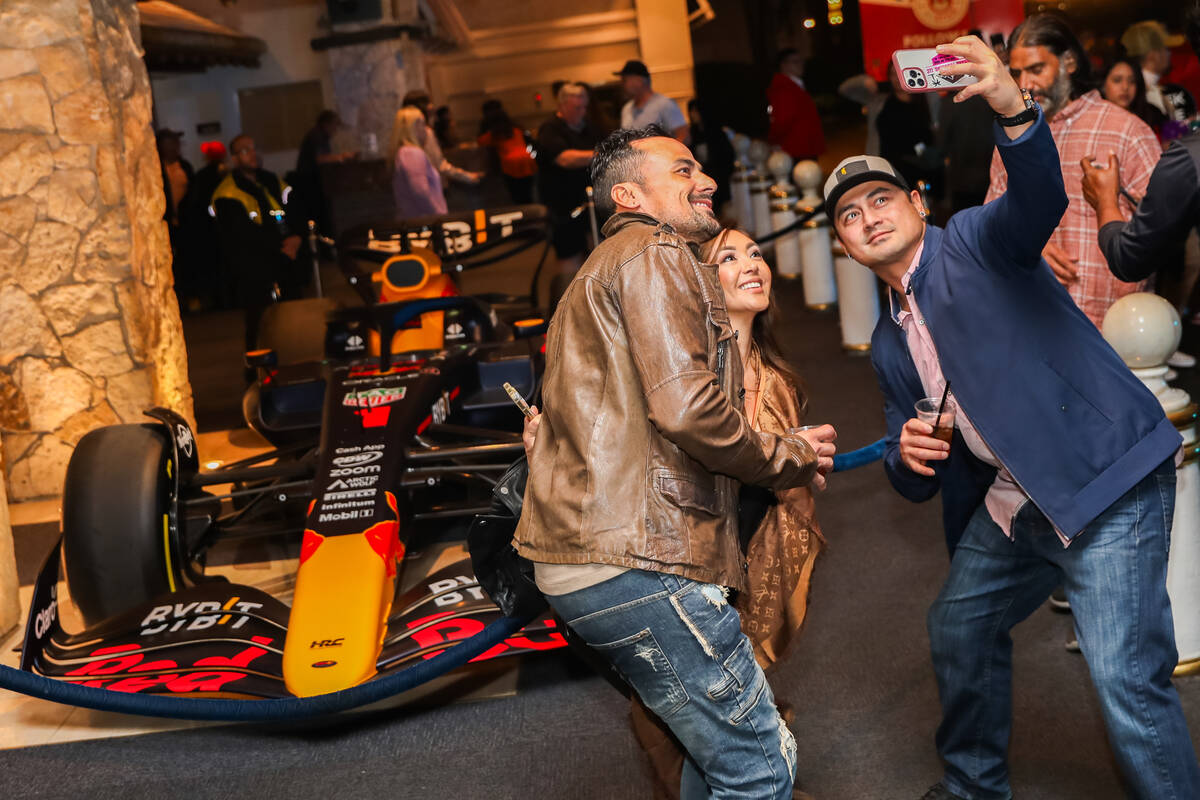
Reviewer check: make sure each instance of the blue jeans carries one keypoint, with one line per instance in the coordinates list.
(1115, 578)
(680, 645)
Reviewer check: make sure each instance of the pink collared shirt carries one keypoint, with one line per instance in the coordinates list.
(1092, 126)
(1005, 497)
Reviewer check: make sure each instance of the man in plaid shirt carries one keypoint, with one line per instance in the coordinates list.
(1047, 59)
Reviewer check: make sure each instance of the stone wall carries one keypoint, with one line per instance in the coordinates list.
(370, 81)
(89, 327)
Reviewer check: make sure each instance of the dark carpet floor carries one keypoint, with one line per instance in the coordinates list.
(858, 678)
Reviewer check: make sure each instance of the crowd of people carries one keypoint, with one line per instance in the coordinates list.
(655, 409)
(1071, 179)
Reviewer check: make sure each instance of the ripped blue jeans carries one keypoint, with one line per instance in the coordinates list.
(680, 645)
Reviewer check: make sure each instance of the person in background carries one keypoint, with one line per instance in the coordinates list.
(603, 121)
(906, 132)
(1146, 43)
(259, 239)
(1169, 213)
(420, 100)
(176, 176)
(565, 144)
(213, 288)
(1165, 217)
(964, 136)
(516, 164)
(864, 90)
(177, 173)
(487, 110)
(445, 128)
(1049, 62)
(999, 46)
(316, 149)
(416, 186)
(648, 107)
(207, 177)
(1122, 83)
(712, 147)
(1185, 66)
(795, 124)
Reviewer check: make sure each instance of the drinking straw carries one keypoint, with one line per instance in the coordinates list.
(942, 405)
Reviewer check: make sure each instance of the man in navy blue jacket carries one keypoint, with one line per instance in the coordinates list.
(1061, 467)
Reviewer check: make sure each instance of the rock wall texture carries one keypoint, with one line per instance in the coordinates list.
(370, 81)
(89, 326)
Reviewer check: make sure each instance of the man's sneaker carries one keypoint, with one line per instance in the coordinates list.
(939, 792)
(1058, 600)
(1181, 360)
(1072, 643)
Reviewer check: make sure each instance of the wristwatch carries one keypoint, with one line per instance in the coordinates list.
(1028, 115)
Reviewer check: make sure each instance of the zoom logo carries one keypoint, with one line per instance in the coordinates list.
(357, 459)
(914, 78)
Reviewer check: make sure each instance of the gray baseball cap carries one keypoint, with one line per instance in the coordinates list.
(856, 170)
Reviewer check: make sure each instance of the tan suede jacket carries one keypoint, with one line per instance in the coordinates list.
(642, 441)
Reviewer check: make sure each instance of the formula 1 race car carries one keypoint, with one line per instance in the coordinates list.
(385, 445)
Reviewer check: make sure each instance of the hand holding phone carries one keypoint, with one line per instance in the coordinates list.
(519, 401)
(993, 82)
(918, 71)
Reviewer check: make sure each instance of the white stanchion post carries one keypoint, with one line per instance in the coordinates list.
(816, 257)
(858, 301)
(783, 213)
(739, 183)
(760, 188)
(1144, 329)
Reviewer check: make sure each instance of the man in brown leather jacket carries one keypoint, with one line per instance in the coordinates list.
(630, 509)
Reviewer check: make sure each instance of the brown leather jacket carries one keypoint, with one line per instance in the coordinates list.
(641, 446)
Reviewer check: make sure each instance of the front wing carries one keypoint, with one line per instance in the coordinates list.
(221, 639)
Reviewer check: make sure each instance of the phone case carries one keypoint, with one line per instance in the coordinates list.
(918, 71)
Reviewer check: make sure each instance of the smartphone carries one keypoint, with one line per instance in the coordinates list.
(918, 71)
(519, 401)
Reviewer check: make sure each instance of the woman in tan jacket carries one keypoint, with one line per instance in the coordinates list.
(784, 547)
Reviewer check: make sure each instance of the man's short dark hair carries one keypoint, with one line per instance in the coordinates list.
(327, 117)
(1053, 33)
(784, 55)
(616, 160)
(233, 143)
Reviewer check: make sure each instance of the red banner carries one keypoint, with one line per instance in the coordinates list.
(890, 25)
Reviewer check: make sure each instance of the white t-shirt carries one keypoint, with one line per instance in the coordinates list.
(659, 109)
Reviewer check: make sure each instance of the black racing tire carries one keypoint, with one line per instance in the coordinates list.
(295, 329)
(115, 502)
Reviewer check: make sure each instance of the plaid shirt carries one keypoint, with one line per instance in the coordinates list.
(1092, 126)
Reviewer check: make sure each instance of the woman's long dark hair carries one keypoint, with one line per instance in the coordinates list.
(1139, 107)
(762, 331)
(497, 122)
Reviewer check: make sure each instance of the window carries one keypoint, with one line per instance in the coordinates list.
(277, 117)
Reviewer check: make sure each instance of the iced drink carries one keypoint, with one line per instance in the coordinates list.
(943, 424)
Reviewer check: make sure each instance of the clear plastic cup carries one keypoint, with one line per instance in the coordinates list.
(943, 426)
